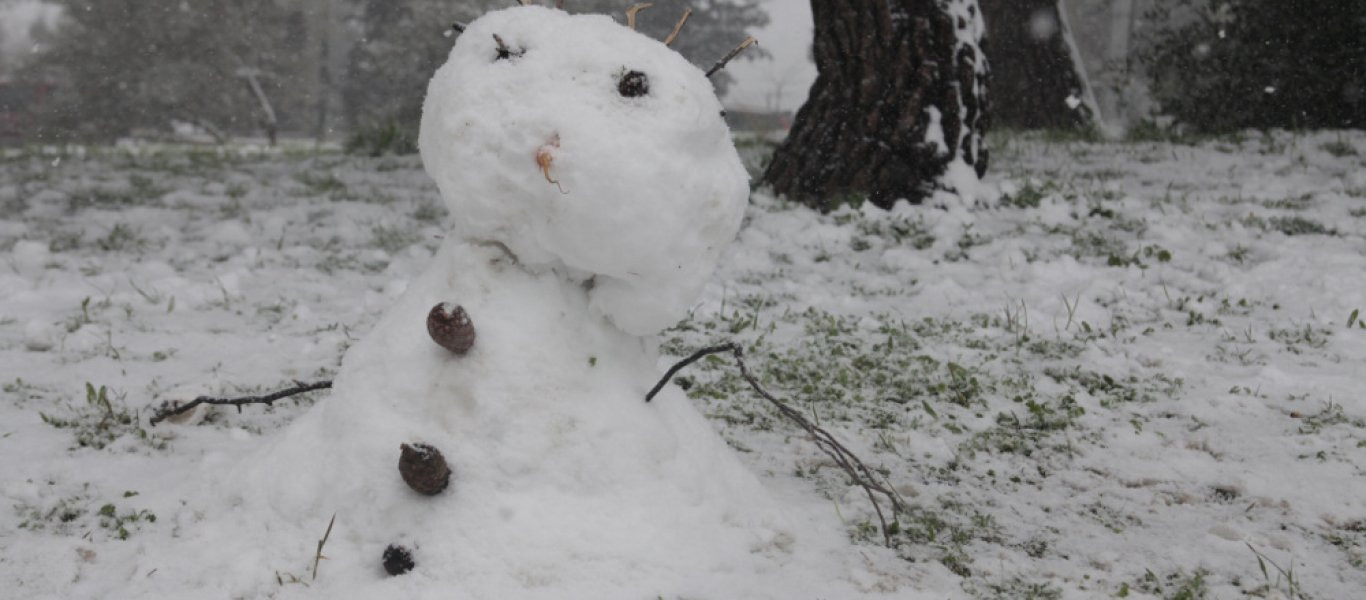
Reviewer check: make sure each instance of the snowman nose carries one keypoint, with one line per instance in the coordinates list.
(545, 158)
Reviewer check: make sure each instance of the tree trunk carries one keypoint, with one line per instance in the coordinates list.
(1035, 71)
(900, 93)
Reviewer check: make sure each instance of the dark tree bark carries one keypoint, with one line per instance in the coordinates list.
(1034, 74)
(900, 93)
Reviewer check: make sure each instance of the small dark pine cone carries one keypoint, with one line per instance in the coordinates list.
(450, 327)
(423, 468)
(633, 84)
(397, 560)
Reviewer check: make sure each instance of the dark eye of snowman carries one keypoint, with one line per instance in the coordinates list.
(504, 51)
(633, 84)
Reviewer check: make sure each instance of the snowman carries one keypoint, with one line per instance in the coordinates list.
(592, 184)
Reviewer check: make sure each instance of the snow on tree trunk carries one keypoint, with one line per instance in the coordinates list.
(899, 98)
(1037, 73)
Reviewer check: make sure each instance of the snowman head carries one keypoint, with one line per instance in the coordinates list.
(590, 151)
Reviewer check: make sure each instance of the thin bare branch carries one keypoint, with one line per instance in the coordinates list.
(687, 12)
(874, 486)
(631, 13)
(267, 399)
(317, 557)
(721, 64)
(696, 356)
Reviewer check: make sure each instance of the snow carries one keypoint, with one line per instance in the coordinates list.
(566, 483)
(1233, 419)
(649, 189)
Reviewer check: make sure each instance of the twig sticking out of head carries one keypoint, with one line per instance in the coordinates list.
(458, 27)
(267, 399)
(687, 12)
(631, 13)
(721, 64)
(861, 474)
(524, 2)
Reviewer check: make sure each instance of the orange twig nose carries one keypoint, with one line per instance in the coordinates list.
(545, 157)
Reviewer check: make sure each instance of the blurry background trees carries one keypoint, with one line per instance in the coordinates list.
(404, 41)
(117, 66)
(1233, 64)
(1036, 72)
(96, 70)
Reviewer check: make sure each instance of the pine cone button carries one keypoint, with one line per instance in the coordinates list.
(450, 327)
(423, 468)
(397, 560)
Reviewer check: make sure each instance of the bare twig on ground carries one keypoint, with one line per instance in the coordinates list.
(319, 555)
(299, 388)
(873, 484)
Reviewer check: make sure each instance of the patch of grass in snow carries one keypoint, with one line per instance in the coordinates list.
(1331, 414)
(1301, 202)
(1028, 196)
(1290, 226)
(1277, 581)
(65, 240)
(1296, 339)
(102, 420)
(1177, 585)
(1015, 588)
(121, 238)
(1090, 243)
(944, 533)
(72, 514)
(322, 184)
(122, 524)
(966, 241)
(1110, 391)
(1350, 537)
(61, 516)
(429, 211)
(896, 230)
(22, 392)
(393, 239)
(1339, 148)
(756, 152)
(881, 378)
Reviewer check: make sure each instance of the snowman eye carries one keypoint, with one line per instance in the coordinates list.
(505, 52)
(633, 84)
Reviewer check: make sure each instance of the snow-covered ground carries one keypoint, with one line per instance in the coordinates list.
(1139, 370)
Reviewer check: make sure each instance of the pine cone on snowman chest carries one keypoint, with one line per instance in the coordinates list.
(423, 468)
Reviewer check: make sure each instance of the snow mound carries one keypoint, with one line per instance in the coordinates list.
(648, 188)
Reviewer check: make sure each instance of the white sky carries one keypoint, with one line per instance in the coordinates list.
(790, 72)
